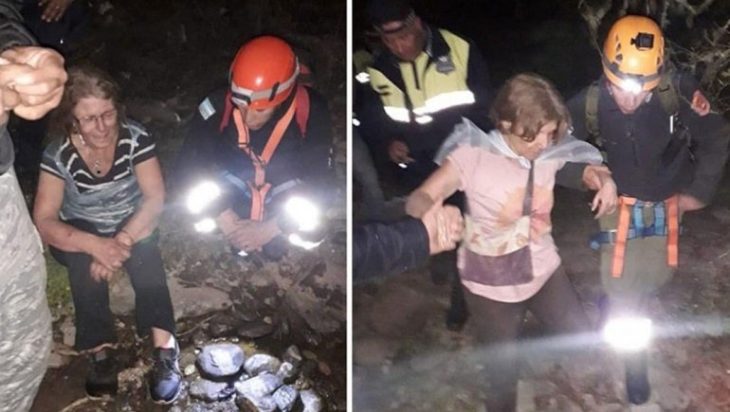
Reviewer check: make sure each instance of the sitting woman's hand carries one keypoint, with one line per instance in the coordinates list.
(100, 272)
(110, 253)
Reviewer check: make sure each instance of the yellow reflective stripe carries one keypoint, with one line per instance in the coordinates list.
(448, 100)
(424, 119)
(399, 114)
(362, 77)
(437, 91)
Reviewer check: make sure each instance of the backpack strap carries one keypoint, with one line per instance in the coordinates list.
(594, 134)
(302, 113)
(668, 94)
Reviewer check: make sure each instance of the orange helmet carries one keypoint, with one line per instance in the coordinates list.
(633, 53)
(263, 73)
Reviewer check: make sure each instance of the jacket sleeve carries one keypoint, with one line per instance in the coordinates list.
(480, 84)
(376, 128)
(197, 161)
(380, 249)
(318, 140)
(571, 174)
(12, 34)
(710, 136)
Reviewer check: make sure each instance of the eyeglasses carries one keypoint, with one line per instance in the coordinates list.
(107, 117)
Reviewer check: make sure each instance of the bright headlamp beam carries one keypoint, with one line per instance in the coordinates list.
(628, 334)
(303, 212)
(206, 225)
(201, 196)
(297, 240)
(631, 85)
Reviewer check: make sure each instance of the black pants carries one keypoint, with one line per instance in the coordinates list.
(94, 321)
(498, 324)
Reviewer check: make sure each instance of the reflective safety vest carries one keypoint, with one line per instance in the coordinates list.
(432, 84)
(258, 186)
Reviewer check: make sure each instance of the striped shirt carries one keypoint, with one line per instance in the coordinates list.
(126, 155)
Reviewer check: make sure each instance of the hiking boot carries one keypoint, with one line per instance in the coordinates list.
(101, 379)
(638, 389)
(166, 379)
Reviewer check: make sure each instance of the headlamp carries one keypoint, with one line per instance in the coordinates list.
(201, 196)
(631, 86)
(300, 221)
(304, 214)
(206, 225)
(628, 334)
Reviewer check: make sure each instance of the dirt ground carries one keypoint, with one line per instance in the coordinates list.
(167, 56)
(406, 360)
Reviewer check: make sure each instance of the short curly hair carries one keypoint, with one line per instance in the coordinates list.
(529, 101)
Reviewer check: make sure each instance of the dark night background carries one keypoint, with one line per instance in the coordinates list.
(405, 359)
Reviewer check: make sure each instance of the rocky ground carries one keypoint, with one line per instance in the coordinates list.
(406, 360)
(167, 57)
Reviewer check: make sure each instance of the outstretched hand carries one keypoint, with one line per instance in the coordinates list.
(445, 227)
(31, 81)
(598, 178)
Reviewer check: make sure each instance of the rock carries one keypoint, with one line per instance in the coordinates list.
(249, 403)
(196, 407)
(311, 401)
(285, 397)
(188, 301)
(221, 360)
(254, 330)
(189, 370)
(193, 302)
(324, 368)
(287, 371)
(292, 356)
(69, 332)
(261, 362)
(210, 391)
(259, 386)
(222, 326)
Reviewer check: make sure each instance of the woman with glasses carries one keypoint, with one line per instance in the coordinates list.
(100, 194)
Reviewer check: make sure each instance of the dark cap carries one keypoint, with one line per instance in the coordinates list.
(384, 11)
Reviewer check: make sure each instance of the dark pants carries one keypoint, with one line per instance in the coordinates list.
(94, 321)
(498, 324)
(365, 175)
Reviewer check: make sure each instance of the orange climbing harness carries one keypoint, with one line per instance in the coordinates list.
(630, 209)
(259, 187)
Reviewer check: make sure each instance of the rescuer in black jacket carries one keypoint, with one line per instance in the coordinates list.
(261, 138)
(666, 149)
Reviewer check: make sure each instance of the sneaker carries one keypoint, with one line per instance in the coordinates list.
(166, 379)
(101, 379)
